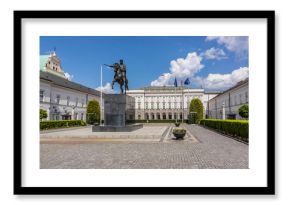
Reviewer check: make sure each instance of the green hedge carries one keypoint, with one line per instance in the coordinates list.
(154, 121)
(60, 123)
(235, 128)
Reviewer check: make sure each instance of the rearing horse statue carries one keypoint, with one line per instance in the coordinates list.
(120, 75)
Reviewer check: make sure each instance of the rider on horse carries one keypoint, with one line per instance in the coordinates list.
(119, 75)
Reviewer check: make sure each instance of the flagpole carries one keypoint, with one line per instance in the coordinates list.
(182, 102)
(175, 104)
(101, 93)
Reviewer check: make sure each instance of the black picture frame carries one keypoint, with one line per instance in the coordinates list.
(18, 163)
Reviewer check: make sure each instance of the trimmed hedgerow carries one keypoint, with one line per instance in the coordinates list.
(154, 121)
(236, 128)
(60, 123)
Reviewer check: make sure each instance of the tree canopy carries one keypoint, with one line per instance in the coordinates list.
(42, 114)
(244, 111)
(93, 112)
(196, 106)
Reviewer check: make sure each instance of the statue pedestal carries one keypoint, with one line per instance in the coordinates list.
(117, 109)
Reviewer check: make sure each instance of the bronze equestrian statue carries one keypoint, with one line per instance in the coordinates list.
(119, 75)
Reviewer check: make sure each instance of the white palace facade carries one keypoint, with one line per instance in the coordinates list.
(167, 102)
(67, 100)
(230, 100)
(60, 97)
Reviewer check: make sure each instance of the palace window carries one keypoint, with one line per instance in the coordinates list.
(146, 105)
(83, 102)
(67, 100)
(57, 99)
(41, 95)
(241, 99)
(246, 95)
(77, 101)
(152, 105)
(163, 105)
(139, 105)
(235, 100)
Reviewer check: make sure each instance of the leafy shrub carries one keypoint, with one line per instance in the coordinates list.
(197, 107)
(93, 112)
(235, 128)
(42, 114)
(177, 124)
(244, 111)
(60, 123)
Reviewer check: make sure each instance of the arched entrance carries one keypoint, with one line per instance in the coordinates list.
(146, 116)
(158, 116)
(163, 116)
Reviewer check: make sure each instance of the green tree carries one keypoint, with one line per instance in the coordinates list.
(42, 114)
(93, 112)
(197, 107)
(244, 111)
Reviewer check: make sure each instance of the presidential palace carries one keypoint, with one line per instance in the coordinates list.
(64, 99)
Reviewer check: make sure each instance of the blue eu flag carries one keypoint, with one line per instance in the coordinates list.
(175, 82)
(187, 82)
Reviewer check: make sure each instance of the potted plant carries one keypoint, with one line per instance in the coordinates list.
(177, 124)
(179, 133)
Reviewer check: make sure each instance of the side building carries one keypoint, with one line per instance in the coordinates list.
(167, 102)
(60, 97)
(231, 99)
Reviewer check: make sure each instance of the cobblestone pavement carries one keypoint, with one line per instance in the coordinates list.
(210, 151)
(149, 132)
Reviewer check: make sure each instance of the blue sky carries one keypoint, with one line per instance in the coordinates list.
(214, 63)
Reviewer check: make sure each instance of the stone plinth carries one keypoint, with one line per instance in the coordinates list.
(117, 109)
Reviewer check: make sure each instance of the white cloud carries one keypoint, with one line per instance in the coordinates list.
(214, 53)
(237, 44)
(106, 89)
(180, 68)
(68, 76)
(223, 81)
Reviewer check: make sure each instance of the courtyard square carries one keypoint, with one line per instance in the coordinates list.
(201, 149)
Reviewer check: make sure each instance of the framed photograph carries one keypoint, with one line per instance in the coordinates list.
(144, 102)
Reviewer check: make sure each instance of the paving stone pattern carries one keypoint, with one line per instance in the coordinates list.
(210, 151)
(147, 132)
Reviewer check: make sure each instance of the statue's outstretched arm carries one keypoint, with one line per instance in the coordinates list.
(111, 66)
